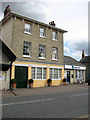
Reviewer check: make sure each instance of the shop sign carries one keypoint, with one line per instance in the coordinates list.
(75, 67)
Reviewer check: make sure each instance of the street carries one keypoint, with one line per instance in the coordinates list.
(67, 104)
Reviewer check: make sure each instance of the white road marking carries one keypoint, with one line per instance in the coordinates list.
(79, 95)
(42, 100)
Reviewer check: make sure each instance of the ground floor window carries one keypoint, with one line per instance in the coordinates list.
(79, 74)
(55, 73)
(38, 73)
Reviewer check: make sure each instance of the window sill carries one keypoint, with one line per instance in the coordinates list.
(54, 39)
(42, 36)
(42, 58)
(54, 59)
(26, 56)
(39, 79)
(56, 79)
(27, 33)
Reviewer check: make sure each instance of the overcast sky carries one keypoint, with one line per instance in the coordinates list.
(70, 15)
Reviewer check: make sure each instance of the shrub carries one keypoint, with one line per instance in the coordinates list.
(49, 80)
(13, 81)
(31, 80)
(64, 80)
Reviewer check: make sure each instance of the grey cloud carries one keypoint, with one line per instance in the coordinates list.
(79, 46)
(34, 11)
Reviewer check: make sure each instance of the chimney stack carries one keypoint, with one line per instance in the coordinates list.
(52, 23)
(7, 10)
(83, 54)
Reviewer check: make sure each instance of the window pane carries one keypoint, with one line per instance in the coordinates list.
(55, 73)
(33, 72)
(54, 35)
(42, 32)
(59, 74)
(39, 73)
(26, 48)
(27, 28)
(41, 51)
(51, 73)
(54, 53)
(44, 73)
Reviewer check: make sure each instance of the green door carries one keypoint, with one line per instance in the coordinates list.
(21, 75)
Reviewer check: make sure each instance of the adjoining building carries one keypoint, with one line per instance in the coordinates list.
(38, 47)
(6, 59)
(74, 71)
(86, 61)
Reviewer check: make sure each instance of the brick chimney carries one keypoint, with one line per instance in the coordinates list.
(52, 23)
(7, 10)
(83, 54)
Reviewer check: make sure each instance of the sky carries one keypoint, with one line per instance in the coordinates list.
(70, 15)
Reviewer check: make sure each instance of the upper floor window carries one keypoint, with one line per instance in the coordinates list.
(42, 51)
(26, 49)
(54, 53)
(42, 32)
(54, 35)
(27, 28)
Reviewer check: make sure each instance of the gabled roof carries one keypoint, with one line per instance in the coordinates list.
(7, 51)
(86, 59)
(10, 14)
(71, 61)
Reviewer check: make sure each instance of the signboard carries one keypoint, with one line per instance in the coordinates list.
(2, 75)
(75, 67)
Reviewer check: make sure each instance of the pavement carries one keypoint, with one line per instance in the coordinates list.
(43, 90)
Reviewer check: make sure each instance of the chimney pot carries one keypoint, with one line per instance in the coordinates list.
(52, 23)
(7, 10)
(83, 54)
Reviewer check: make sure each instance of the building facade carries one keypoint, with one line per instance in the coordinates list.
(86, 61)
(38, 48)
(74, 71)
(6, 59)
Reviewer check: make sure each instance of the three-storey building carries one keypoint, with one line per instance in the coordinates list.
(38, 48)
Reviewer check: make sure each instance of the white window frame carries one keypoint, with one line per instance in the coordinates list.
(54, 53)
(44, 48)
(36, 73)
(54, 36)
(42, 32)
(53, 75)
(29, 45)
(80, 72)
(28, 26)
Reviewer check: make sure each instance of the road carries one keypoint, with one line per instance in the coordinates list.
(71, 104)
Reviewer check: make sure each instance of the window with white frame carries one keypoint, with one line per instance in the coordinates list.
(54, 53)
(42, 32)
(79, 74)
(27, 28)
(42, 51)
(55, 73)
(26, 49)
(38, 73)
(54, 35)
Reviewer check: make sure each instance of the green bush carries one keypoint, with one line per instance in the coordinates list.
(13, 81)
(49, 80)
(31, 80)
(64, 80)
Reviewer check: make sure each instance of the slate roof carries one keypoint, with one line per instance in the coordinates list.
(7, 51)
(86, 59)
(71, 61)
